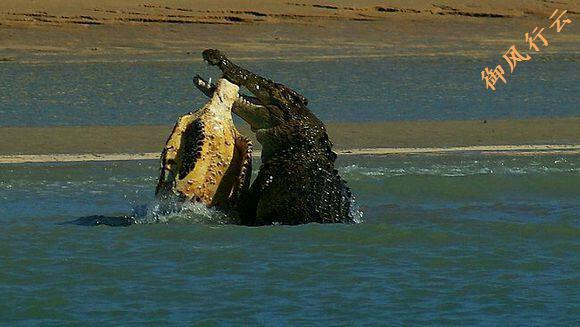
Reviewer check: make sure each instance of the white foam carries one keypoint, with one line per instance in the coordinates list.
(185, 213)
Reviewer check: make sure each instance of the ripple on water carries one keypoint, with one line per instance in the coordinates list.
(435, 248)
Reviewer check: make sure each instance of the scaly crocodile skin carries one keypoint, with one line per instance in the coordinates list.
(205, 158)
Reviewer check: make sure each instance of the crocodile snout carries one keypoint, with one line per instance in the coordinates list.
(213, 56)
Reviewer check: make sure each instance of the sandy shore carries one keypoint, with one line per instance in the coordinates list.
(397, 134)
(29, 144)
(513, 150)
(113, 30)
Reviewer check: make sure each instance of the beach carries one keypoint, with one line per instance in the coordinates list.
(90, 143)
(127, 30)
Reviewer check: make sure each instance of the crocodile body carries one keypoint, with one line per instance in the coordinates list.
(205, 158)
(297, 182)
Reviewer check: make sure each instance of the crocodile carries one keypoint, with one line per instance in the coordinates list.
(205, 158)
(297, 182)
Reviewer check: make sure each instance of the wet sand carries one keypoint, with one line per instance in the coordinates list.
(78, 143)
(512, 150)
(129, 30)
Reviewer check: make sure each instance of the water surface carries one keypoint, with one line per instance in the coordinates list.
(463, 239)
(367, 89)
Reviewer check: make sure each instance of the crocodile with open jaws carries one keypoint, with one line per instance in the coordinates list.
(297, 182)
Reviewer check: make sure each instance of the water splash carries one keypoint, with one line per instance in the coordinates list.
(182, 213)
(355, 212)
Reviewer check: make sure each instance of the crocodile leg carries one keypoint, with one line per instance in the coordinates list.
(244, 149)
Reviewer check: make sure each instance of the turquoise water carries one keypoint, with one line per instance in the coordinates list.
(461, 239)
(382, 89)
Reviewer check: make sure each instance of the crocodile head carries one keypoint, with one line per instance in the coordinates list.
(279, 115)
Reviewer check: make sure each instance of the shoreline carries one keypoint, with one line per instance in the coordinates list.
(346, 136)
(59, 31)
(512, 150)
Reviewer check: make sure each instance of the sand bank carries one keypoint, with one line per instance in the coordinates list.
(112, 30)
(515, 150)
(396, 134)
(80, 143)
